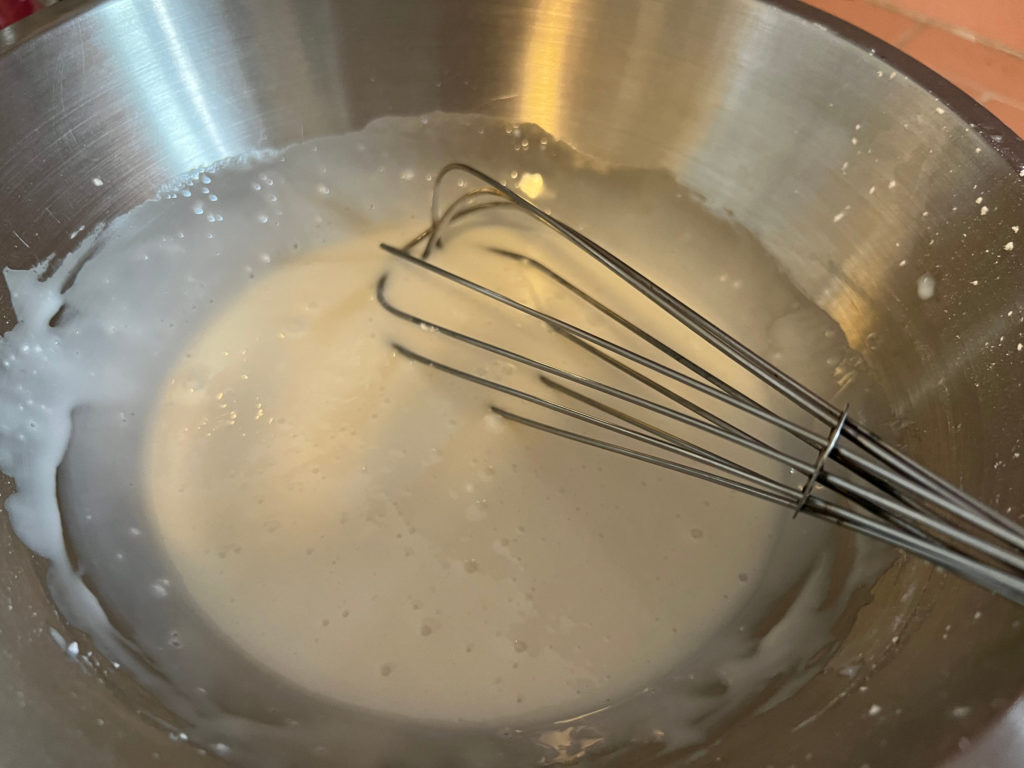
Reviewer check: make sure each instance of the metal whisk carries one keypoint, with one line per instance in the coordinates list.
(853, 478)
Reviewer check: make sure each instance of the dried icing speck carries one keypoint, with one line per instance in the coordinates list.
(925, 287)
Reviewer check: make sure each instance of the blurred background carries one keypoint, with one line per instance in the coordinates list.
(12, 10)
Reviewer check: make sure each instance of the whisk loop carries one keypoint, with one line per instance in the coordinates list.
(855, 479)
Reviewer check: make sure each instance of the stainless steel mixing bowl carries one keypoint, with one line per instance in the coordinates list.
(859, 168)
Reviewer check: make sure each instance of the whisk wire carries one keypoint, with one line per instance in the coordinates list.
(798, 499)
(744, 404)
(894, 498)
(876, 472)
(751, 361)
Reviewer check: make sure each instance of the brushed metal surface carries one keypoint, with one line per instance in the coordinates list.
(856, 166)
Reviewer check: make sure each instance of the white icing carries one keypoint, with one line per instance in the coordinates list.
(285, 518)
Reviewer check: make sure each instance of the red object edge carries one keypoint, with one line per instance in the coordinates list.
(13, 10)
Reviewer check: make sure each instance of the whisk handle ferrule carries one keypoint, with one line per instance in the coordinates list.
(823, 456)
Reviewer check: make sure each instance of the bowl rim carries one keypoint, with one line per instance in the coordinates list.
(982, 121)
(994, 131)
